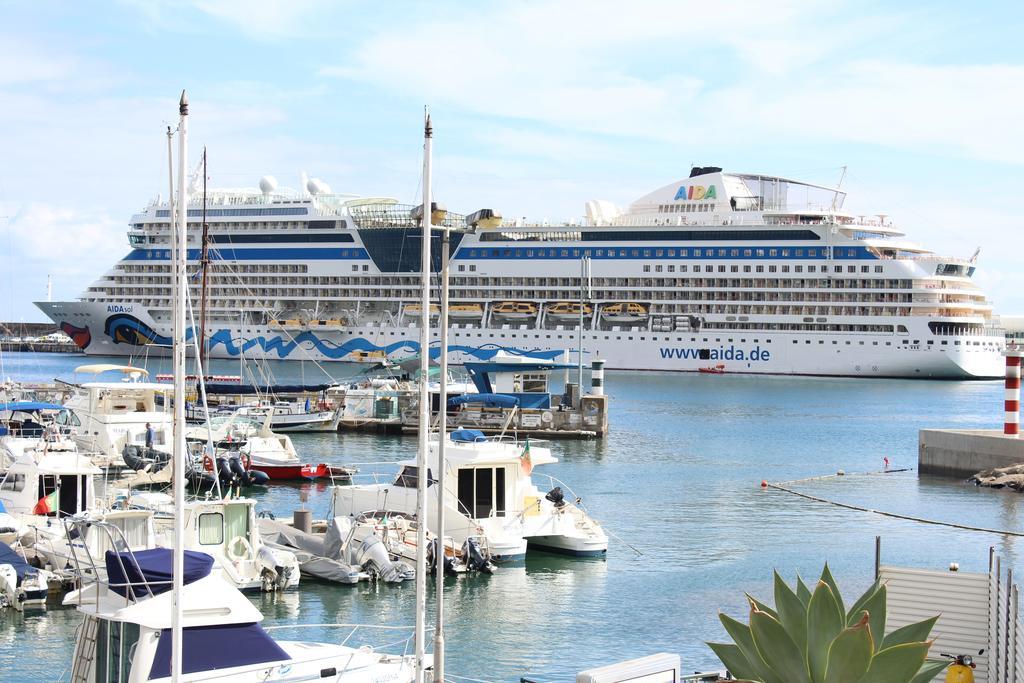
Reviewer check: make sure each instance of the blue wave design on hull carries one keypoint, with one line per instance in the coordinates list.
(284, 347)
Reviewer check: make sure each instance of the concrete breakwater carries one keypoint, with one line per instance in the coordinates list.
(965, 452)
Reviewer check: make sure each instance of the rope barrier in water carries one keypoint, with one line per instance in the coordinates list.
(884, 513)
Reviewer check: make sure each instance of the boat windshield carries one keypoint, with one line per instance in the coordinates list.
(409, 477)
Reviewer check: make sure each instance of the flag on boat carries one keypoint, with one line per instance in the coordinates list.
(46, 504)
(524, 458)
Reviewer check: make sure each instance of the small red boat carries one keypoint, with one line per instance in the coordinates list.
(715, 370)
(299, 472)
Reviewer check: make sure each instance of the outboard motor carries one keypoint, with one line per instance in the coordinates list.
(474, 557)
(556, 496)
(224, 473)
(449, 562)
(373, 557)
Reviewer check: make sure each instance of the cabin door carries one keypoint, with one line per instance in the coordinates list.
(482, 492)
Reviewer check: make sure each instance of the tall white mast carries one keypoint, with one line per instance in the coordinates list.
(442, 438)
(178, 368)
(424, 430)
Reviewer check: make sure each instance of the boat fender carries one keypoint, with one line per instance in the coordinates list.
(556, 496)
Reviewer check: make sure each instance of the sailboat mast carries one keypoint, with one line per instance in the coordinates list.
(204, 263)
(178, 369)
(424, 427)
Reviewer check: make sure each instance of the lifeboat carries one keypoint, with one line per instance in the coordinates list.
(415, 309)
(624, 312)
(567, 310)
(463, 311)
(515, 310)
(714, 369)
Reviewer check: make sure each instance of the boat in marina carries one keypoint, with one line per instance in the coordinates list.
(114, 415)
(490, 494)
(34, 428)
(769, 273)
(263, 449)
(127, 621)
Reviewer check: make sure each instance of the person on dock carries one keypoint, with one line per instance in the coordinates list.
(149, 435)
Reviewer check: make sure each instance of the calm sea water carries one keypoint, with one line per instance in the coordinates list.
(678, 479)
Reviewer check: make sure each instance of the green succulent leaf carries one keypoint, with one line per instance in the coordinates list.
(826, 576)
(733, 659)
(875, 607)
(741, 636)
(929, 671)
(853, 615)
(792, 613)
(777, 648)
(824, 623)
(897, 664)
(802, 591)
(911, 633)
(849, 656)
(761, 607)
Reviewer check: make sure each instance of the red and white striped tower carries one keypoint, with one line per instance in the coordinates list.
(1011, 424)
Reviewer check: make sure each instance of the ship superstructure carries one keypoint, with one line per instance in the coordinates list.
(760, 274)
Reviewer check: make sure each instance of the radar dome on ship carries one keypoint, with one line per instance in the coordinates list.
(268, 184)
(316, 186)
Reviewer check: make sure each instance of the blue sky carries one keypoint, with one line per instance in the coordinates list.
(538, 107)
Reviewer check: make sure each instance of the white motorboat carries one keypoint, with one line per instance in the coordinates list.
(227, 531)
(288, 416)
(127, 625)
(491, 493)
(34, 426)
(116, 414)
(22, 585)
(263, 449)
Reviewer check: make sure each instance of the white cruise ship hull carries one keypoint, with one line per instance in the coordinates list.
(721, 272)
(125, 329)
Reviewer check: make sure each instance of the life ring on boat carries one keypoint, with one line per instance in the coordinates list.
(546, 416)
(207, 463)
(236, 556)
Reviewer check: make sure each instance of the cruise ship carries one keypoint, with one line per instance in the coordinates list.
(742, 273)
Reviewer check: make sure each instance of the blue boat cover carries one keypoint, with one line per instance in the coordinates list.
(468, 435)
(222, 646)
(30, 406)
(150, 571)
(8, 556)
(491, 400)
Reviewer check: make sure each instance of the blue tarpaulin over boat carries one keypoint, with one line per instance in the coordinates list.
(468, 435)
(221, 646)
(29, 406)
(491, 400)
(8, 556)
(150, 571)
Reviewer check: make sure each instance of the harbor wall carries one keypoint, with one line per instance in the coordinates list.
(965, 452)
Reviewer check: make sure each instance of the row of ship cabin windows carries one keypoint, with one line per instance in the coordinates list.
(719, 252)
(759, 269)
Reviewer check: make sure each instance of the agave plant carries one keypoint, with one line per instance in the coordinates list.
(810, 637)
